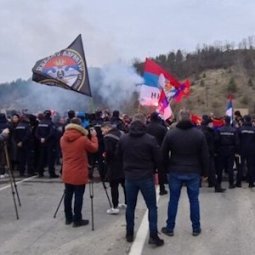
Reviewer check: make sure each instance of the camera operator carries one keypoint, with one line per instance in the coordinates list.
(75, 146)
(96, 122)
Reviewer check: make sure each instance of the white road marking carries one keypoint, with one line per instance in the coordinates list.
(24, 180)
(137, 246)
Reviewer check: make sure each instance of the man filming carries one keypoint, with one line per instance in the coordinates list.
(75, 145)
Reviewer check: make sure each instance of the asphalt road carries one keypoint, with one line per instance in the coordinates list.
(228, 224)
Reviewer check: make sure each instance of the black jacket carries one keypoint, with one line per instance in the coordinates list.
(184, 150)
(46, 130)
(114, 164)
(23, 133)
(156, 129)
(210, 138)
(139, 152)
(247, 139)
(227, 140)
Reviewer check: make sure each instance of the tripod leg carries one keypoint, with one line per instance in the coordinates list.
(11, 180)
(14, 200)
(91, 192)
(107, 195)
(103, 182)
(15, 186)
(55, 214)
(11, 175)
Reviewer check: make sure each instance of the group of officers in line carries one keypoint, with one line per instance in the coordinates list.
(34, 143)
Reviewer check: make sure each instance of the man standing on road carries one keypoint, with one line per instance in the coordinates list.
(227, 141)
(115, 173)
(157, 129)
(75, 145)
(140, 156)
(185, 154)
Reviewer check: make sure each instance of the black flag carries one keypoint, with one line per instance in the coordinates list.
(66, 69)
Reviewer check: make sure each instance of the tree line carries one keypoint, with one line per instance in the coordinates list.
(183, 65)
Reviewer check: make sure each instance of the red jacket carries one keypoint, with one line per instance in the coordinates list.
(75, 145)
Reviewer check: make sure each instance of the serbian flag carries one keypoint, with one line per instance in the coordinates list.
(156, 79)
(164, 108)
(156, 76)
(65, 69)
(182, 91)
(152, 73)
(229, 110)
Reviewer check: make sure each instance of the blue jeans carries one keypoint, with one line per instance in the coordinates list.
(175, 181)
(148, 191)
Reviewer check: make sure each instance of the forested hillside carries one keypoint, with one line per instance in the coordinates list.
(215, 72)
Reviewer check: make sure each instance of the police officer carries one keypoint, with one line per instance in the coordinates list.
(207, 129)
(247, 151)
(23, 138)
(227, 143)
(46, 135)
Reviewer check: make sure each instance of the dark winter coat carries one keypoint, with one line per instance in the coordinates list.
(247, 139)
(227, 140)
(114, 164)
(139, 152)
(46, 130)
(156, 129)
(210, 138)
(23, 133)
(184, 150)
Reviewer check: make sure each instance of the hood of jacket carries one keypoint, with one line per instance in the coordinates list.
(73, 132)
(137, 128)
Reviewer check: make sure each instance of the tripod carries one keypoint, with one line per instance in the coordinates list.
(91, 174)
(14, 189)
(91, 190)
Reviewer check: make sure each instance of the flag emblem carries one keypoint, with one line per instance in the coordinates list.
(66, 69)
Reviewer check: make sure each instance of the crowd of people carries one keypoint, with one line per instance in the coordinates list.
(128, 152)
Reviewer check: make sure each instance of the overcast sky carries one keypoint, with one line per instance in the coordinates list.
(115, 30)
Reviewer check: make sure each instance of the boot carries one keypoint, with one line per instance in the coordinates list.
(130, 236)
(219, 189)
(251, 185)
(162, 190)
(154, 239)
(80, 223)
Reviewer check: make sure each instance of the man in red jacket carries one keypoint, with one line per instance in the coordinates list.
(75, 145)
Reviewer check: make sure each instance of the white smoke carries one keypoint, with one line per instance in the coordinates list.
(112, 86)
(118, 84)
(42, 97)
